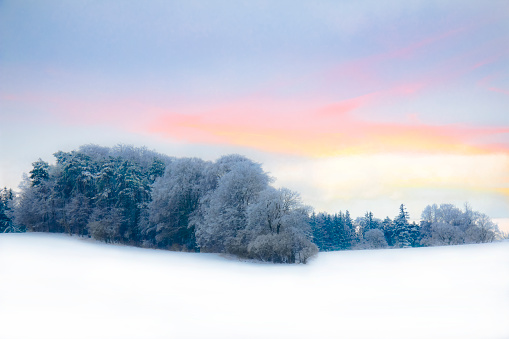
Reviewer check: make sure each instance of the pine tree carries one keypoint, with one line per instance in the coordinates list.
(369, 221)
(6, 198)
(175, 196)
(415, 234)
(402, 228)
(156, 170)
(346, 231)
(349, 229)
(320, 237)
(389, 231)
(39, 173)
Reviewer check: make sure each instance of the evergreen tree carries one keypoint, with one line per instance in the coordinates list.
(175, 196)
(415, 234)
(39, 172)
(389, 231)
(402, 228)
(320, 236)
(6, 200)
(370, 223)
(345, 237)
(350, 228)
(156, 170)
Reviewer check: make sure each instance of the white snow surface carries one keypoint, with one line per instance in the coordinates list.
(57, 286)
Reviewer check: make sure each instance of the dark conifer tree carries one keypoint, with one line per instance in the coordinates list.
(6, 200)
(402, 228)
(39, 172)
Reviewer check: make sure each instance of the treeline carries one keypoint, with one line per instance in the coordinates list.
(135, 196)
(139, 197)
(439, 225)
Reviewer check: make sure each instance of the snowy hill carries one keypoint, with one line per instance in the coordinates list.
(56, 286)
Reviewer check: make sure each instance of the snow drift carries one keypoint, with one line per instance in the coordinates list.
(56, 286)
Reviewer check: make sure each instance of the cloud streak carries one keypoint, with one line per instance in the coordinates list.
(303, 128)
(339, 135)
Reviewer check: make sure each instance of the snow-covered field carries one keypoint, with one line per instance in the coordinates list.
(56, 286)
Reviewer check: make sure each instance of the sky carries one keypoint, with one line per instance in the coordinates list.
(358, 105)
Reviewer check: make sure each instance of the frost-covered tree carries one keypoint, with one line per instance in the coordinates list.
(136, 196)
(364, 224)
(445, 234)
(317, 231)
(222, 216)
(6, 211)
(373, 239)
(279, 221)
(448, 225)
(482, 229)
(75, 174)
(175, 197)
(271, 212)
(389, 231)
(369, 222)
(402, 228)
(332, 232)
(104, 224)
(132, 195)
(321, 225)
(39, 172)
(36, 208)
(37, 205)
(62, 197)
(75, 214)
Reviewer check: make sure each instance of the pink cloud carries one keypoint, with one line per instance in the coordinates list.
(309, 128)
(499, 90)
(325, 134)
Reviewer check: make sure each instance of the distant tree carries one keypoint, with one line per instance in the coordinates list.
(402, 228)
(369, 222)
(389, 231)
(482, 229)
(415, 234)
(374, 238)
(318, 232)
(332, 232)
(448, 225)
(357, 231)
(346, 230)
(430, 214)
(445, 234)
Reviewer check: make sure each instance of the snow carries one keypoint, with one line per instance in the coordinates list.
(56, 286)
